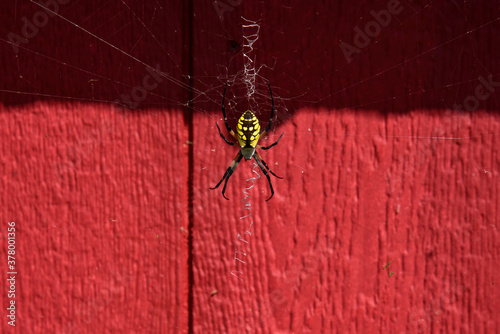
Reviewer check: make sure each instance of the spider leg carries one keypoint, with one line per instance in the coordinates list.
(266, 174)
(272, 112)
(228, 173)
(270, 124)
(227, 141)
(265, 165)
(224, 114)
(273, 144)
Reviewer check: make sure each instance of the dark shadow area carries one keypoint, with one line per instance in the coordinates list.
(391, 56)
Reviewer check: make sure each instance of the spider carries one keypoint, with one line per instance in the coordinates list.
(248, 135)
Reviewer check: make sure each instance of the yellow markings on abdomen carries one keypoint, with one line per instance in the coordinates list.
(248, 130)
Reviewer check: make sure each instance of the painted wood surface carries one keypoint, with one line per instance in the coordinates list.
(385, 221)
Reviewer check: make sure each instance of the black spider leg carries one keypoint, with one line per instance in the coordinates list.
(227, 141)
(265, 165)
(224, 114)
(266, 174)
(231, 132)
(273, 144)
(272, 112)
(270, 124)
(229, 172)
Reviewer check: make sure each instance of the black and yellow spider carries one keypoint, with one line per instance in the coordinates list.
(248, 135)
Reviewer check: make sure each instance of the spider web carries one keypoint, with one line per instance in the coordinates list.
(248, 83)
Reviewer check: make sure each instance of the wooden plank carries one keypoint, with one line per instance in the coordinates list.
(98, 192)
(100, 233)
(371, 229)
(360, 191)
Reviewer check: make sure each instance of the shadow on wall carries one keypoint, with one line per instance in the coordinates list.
(385, 55)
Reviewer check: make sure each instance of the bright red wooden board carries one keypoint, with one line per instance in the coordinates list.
(118, 231)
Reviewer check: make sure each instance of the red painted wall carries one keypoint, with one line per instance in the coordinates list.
(386, 220)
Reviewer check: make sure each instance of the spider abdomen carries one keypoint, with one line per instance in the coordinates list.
(248, 130)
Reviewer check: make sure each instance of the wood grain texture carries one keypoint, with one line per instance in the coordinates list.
(386, 220)
(360, 191)
(98, 249)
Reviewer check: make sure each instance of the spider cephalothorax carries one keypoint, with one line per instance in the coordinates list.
(248, 135)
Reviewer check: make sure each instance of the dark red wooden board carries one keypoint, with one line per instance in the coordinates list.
(386, 220)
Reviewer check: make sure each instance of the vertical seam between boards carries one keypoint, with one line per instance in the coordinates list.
(188, 41)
